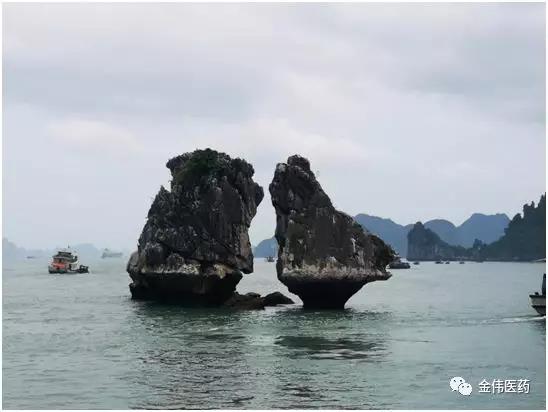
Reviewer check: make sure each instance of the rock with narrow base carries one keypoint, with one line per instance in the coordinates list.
(324, 256)
(195, 246)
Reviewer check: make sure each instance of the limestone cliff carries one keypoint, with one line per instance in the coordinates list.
(324, 256)
(195, 246)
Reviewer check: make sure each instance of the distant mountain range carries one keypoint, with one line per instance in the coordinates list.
(523, 240)
(11, 252)
(391, 232)
(486, 228)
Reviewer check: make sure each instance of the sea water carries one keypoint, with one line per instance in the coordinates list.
(79, 341)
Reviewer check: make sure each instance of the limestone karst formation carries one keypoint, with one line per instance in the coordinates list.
(195, 246)
(324, 256)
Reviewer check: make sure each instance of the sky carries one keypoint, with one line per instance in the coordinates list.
(405, 111)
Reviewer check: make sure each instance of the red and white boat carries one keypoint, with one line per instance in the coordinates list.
(64, 261)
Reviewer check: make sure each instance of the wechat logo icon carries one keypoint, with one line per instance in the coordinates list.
(460, 385)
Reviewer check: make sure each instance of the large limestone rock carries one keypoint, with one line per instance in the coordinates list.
(195, 246)
(324, 256)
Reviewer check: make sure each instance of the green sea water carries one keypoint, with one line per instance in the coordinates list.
(79, 341)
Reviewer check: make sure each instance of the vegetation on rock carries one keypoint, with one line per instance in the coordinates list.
(524, 240)
(525, 237)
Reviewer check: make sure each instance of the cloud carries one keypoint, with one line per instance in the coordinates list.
(95, 135)
(431, 103)
(228, 61)
(276, 139)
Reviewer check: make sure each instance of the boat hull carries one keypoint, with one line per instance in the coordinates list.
(538, 302)
(81, 269)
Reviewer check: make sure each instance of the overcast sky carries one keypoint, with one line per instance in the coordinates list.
(407, 111)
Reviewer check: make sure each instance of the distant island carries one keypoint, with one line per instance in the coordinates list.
(525, 237)
(524, 240)
(265, 248)
(425, 244)
(486, 228)
(12, 252)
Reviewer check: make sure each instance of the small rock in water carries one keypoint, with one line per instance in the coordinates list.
(324, 256)
(277, 298)
(195, 246)
(247, 301)
(255, 301)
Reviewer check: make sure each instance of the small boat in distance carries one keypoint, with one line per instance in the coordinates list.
(64, 261)
(461, 262)
(110, 254)
(397, 263)
(269, 259)
(447, 262)
(538, 302)
(438, 262)
(416, 263)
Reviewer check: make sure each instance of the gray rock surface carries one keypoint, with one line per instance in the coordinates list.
(195, 246)
(324, 256)
(255, 301)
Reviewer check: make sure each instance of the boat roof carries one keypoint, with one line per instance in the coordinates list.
(65, 253)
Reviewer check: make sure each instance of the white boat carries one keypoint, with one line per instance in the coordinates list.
(397, 263)
(538, 301)
(65, 261)
(110, 254)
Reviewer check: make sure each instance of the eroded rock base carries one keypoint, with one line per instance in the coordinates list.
(324, 255)
(188, 290)
(324, 294)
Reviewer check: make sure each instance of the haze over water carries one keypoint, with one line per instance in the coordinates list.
(79, 341)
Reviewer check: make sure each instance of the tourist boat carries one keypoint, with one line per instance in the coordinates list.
(110, 254)
(269, 259)
(64, 261)
(538, 301)
(397, 263)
